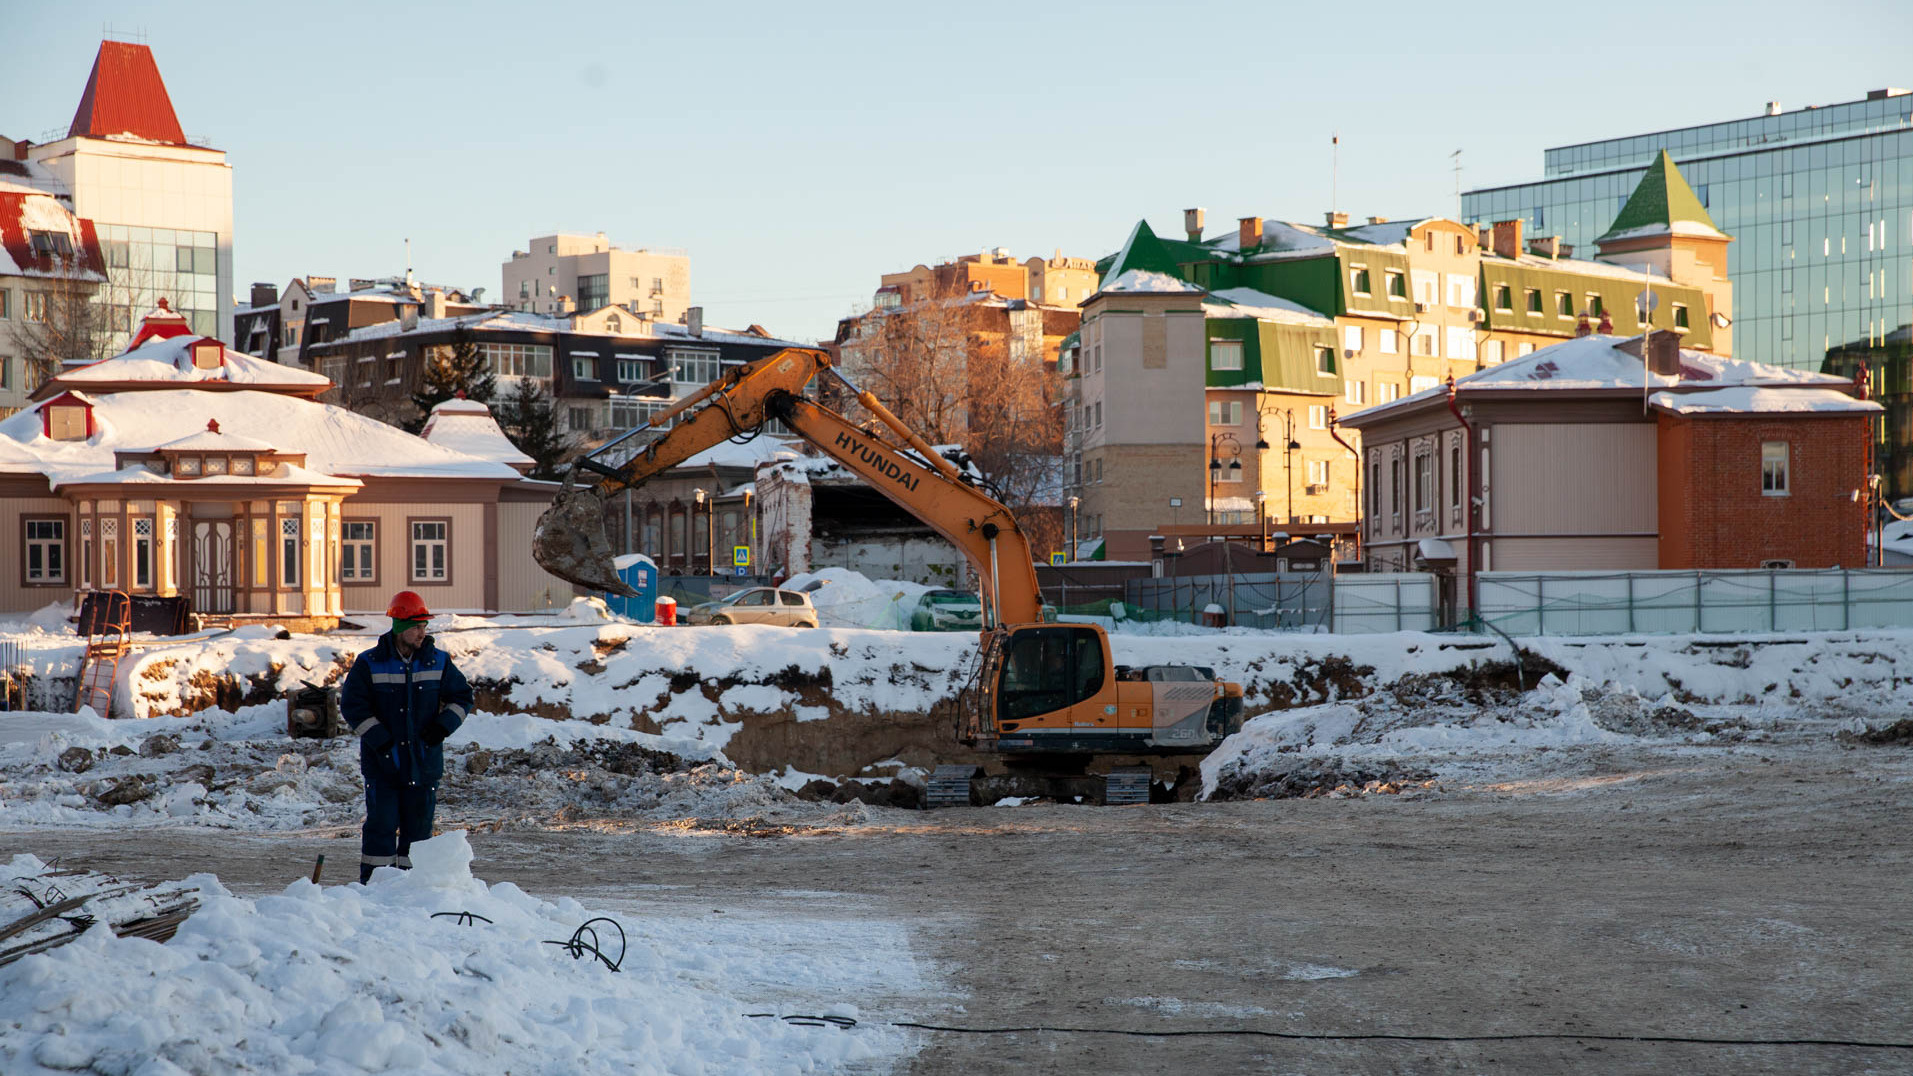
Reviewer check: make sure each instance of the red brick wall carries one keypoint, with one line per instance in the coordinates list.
(1714, 515)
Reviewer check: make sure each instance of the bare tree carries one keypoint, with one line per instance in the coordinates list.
(960, 370)
(59, 320)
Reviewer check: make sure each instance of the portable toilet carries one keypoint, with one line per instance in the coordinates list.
(640, 573)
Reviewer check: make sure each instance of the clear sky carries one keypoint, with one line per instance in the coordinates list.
(799, 150)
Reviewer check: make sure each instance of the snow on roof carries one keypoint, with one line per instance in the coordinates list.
(468, 426)
(335, 441)
(1386, 234)
(749, 455)
(1142, 280)
(526, 321)
(1679, 227)
(1755, 399)
(25, 210)
(215, 441)
(171, 359)
(1248, 302)
(1596, 362)
(285, 475)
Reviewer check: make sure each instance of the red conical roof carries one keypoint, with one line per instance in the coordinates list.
(125, 95)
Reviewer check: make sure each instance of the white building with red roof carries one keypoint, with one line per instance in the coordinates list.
(48, 257)
(183, 467)
(161, 202)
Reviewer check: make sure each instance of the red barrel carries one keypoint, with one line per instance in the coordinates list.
(667, 612)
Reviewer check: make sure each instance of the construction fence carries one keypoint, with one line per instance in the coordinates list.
(1291, 601)
(1668, 602)
(1516, 603)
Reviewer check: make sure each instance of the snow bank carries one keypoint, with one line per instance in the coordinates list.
(348, 978)
(848, 599)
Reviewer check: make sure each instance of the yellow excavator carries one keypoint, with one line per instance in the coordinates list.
(1041, 689)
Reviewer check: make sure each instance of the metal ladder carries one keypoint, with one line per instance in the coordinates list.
(106, 644)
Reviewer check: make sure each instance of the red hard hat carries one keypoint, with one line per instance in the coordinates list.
(407, 605)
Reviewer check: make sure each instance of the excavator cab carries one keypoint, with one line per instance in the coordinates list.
(1052, 688)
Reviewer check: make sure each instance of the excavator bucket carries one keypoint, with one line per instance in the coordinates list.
(570, 542)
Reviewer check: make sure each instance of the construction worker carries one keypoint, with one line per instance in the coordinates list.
(402, 699)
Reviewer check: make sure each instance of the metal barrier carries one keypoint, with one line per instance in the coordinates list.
(1685, 602)
(10, 662)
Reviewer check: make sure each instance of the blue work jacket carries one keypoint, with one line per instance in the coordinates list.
(402, 710)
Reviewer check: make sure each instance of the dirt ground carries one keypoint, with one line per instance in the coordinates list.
(1666, 895)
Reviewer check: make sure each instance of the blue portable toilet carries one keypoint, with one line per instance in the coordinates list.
(640, 573)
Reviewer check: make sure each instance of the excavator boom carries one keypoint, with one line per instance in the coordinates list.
(571, 543)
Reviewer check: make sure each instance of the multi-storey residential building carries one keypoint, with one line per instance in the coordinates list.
(605, 371)
(314, 311)
(48, 258)
(160, 202)
(1054, 281)
(561, 274)
(1817, 199)
(1403, 305)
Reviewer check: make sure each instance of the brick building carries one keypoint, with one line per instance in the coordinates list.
(1616, 453)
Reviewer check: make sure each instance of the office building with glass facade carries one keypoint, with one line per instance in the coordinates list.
(162, 203)
(1819, 202)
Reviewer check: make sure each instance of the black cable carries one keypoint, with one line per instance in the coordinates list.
(464, 919)
(577, 946)
(842, 1023)
(1330, 1036)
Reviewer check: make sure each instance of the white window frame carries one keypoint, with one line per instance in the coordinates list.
(429, 553)
(1352, 337)
(357, 552)
(1225, 354)
(1355, 391)
(1390, 342)
(693, 366)
(1776, 467)
(1318, 416)
(50, 545)
(584, 367)
(1225, 412)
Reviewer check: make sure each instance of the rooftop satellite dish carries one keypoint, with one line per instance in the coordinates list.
(1646, 303)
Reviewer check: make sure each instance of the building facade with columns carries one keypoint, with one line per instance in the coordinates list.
(185, 468)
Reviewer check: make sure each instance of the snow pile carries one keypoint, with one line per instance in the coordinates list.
(351, 978)
(850, 600)
(238, 771)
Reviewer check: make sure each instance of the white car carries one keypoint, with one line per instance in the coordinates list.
(757, 605)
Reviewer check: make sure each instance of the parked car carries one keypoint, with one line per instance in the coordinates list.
(757, 605)
(947, 610)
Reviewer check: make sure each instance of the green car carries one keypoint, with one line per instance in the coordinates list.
(947, 610)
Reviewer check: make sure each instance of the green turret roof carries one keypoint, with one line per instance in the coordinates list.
(1663, 204)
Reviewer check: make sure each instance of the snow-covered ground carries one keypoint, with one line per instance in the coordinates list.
(346, 979)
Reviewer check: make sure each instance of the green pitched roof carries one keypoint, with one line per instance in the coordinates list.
(1662, 200)
(1143, 251)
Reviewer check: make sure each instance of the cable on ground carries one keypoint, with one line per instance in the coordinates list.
(463, 919)
(578, 946)
(1331, 1036)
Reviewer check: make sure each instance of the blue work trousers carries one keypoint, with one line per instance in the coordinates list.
(395, 816)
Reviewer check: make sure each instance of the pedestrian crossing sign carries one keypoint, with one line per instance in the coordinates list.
(1058, 558)
(740, 556)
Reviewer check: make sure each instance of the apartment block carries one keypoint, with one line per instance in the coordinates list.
(1053, 281)
(561, 274)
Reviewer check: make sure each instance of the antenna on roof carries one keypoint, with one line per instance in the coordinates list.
(1456, 157)
(1334, 169)
(136, 35)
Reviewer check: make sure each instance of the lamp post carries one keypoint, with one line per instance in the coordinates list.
(1073, 503)
(710, 539)
(1289, 446)
(750, 516)
(1262, 519)
(1219, 444)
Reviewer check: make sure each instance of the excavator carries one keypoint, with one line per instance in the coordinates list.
(1041, 691)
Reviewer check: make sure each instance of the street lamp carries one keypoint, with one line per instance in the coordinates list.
(1073, 502)
(710, 538)
(1218, 443)
(1289, 447)
(1262, 519)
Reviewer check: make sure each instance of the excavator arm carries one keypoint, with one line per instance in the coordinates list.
(571, 543)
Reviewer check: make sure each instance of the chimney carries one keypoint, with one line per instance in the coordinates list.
(1378, 220)
(1548, 246)
(265, 295)
(435, 304)
(1773, 108)
(1248, 233)
(1507, 238)
(1664, 352)
(1484, 237)
(694, 320)
(1336, 219)
(1192, 223)
(564, 305)
(1582, 327)
(1663, 347)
